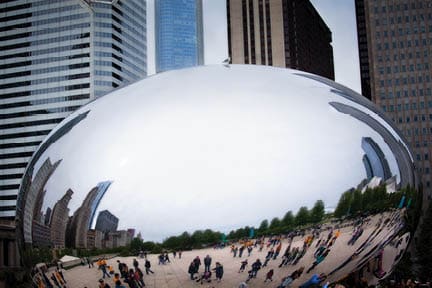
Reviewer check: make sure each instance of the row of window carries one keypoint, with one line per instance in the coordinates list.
(17, 145)
(137, 60)
(404, 80)
(416, 118)
(45, 80)
(404, 44)
(137, 39)
(14, 165)
(399, 7)
(4, 136)
(416, 132)
(402, 19)
(403, 68)
(44, 60)
(116, 66)
(44, 101)
(44, 91)
(45, 51)
(37, 112)
(27, 124)
(120, 59)
(50, 69)
(124, 43)
(402, 56)
(405, 93)
(45, 41)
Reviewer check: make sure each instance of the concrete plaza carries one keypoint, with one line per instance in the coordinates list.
(175, 274)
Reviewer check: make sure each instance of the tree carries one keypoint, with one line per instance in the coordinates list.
(275, 225)
(356, 202)
(317, 212)
(302, 217)
(343, 206)
(288, 220)
(136, 245)
(263, 226)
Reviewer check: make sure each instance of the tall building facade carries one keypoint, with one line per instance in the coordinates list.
(282, 33)
(178, 34)
(55, 56)
(106, 222)
(395, 60)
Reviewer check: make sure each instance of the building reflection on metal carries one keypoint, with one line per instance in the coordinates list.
(217, 140)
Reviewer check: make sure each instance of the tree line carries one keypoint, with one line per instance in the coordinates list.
(373, 200)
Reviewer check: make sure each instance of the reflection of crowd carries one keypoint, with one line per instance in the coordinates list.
(367, 242)
(43, 278)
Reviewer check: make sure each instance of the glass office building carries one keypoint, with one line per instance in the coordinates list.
(179, 34)
(55, 56)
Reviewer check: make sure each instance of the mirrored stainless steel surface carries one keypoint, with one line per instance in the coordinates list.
(218, 147)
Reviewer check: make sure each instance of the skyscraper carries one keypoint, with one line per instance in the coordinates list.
(106, 222)
(55, 56)
(179, 34)
(394, 47)
(282, 33)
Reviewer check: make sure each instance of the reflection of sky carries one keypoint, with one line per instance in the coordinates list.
(211, 148)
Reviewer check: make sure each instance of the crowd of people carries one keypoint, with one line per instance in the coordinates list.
(282, 255)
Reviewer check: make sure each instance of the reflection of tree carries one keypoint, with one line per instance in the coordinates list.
(302, 217)
(317, 212)
(373, 200)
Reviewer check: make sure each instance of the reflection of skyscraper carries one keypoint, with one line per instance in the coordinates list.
(59, 219)
(131, 232)
(395, 69)
(94, 239)
(179, 39)
(119, 238)
(374, 160)
(83, 217)
(35, 195)
(106, 222)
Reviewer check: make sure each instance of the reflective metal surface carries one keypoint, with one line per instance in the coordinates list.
(216, 147)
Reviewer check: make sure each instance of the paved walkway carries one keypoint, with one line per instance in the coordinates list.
(175, 274)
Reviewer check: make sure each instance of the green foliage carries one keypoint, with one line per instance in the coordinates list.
(303, 216)
(288, 220)
(372, 200)
(356, 202)
(343, 206)
(263, 226)
(136, 246)
(275, 223)
(317, 212)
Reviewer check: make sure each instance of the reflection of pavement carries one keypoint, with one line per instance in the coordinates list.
(175, 274)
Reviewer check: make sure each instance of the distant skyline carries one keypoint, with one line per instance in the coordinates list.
(339, 15)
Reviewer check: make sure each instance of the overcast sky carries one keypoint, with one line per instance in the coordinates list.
(339, 16)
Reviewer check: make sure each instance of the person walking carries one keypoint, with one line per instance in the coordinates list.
(147, 266)
(243, 265)
(103, 267)
(269, 275)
